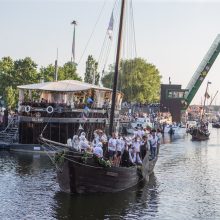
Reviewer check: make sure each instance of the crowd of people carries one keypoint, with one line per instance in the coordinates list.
(120, 150)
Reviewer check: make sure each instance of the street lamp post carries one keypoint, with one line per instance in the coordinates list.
(74, 23)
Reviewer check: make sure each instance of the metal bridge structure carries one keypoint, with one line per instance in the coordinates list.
(202, 71)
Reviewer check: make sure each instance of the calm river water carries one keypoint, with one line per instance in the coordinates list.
(185, 185)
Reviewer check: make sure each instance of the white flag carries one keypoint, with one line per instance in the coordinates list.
(110, 27)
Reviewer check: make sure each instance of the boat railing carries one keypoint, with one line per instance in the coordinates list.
(82, 105)
(31, 106)
(11, 123)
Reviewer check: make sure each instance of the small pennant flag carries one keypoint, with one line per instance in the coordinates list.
(110, 27)
(207, 95)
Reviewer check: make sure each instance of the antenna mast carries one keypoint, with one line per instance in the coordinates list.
(56, 67)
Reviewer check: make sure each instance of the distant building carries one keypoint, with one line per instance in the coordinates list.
(172, 100)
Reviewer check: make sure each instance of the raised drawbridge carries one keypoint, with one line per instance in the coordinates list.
(202, 71)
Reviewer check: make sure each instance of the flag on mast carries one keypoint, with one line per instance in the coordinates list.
(207, 95)
(110, 27)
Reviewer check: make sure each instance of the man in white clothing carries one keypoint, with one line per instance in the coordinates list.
(136, 144)
(153, 143)
(112, 146)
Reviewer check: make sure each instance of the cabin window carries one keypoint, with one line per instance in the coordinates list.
(175, 94)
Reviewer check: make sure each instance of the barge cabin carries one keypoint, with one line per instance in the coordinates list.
(59, 109)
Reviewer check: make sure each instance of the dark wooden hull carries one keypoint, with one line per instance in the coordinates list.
(77, 177)
(199, 135)
(216, 125)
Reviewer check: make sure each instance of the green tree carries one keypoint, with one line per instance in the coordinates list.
(47, 73)
(14, 73)
(25, 72)
(138, 80)
(11, 96)
(91, 71)
(6, 72)
(66, 72)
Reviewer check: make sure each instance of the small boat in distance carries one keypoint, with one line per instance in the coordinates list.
(140, 122)
(216, 124)
(201, 132)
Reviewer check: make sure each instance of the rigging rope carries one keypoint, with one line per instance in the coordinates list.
(108, 41)
(94, 28)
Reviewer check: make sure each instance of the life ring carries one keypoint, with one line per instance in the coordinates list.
(49, 109)
(27, 108)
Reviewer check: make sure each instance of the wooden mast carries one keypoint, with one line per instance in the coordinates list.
(206, 94)
(115, 82)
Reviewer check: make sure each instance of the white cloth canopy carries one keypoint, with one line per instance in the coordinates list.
(63, 86)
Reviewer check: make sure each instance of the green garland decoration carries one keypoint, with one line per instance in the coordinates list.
(85, 157)
(59, 158)
(102, 162)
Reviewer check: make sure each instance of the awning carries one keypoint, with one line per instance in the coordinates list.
(62, 86)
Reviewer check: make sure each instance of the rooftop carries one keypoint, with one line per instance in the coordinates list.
(63, 86)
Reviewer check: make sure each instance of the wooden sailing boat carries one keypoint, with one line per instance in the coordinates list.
(81, 173)
(201, 132)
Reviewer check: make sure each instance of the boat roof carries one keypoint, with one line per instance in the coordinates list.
(62, 86)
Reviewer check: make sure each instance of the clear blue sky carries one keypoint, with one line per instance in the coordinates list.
(173, 35)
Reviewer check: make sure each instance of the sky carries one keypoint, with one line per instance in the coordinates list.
(172, 35)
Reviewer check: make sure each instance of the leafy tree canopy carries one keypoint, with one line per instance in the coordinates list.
(91, 71)
(138, 80)
(24, 71)
(65, 72)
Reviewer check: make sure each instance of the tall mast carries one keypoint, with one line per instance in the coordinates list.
(114, 90)
(206, 95)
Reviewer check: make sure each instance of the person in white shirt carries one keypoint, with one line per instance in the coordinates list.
(96, 139)
(98, 151)
(83, 144)
(160, 136)
(112, 144)
(153, 141)
(75, 142)
(119, 149)
(135, 133)
(140, 132)
(136, 144)
(132, 155)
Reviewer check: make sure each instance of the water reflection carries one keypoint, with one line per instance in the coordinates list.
(132, 204)
(185, 186)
